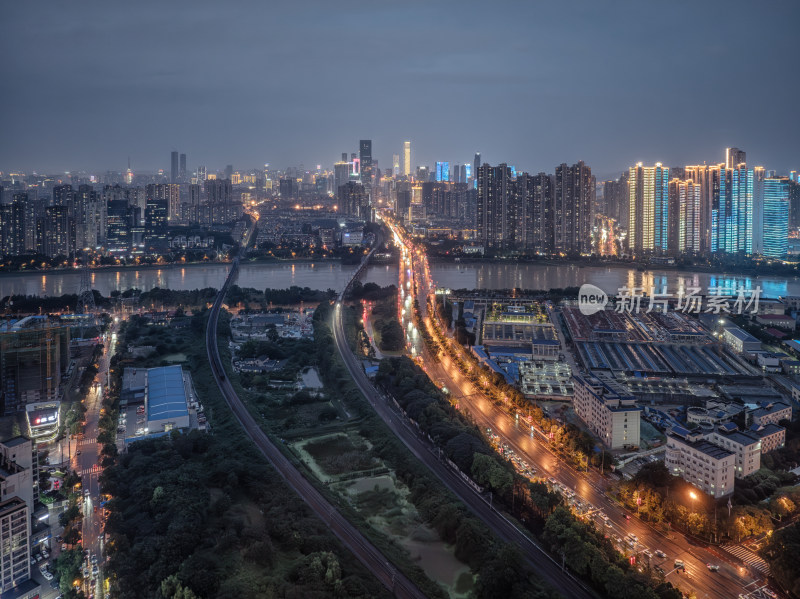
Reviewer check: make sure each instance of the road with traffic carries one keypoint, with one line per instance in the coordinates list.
(729, 581)
(539, 560)
(363, 549)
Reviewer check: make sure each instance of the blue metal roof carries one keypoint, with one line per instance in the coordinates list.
(166, 396)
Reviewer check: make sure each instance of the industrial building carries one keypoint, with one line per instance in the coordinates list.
(158, 401)
(34, 354)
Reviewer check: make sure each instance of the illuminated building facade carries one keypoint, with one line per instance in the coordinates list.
(407, 159)
(648, 212)
(776, 216)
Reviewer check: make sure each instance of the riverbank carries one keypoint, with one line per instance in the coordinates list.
(744, 270)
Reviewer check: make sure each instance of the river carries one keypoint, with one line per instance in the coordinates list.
(332, 275)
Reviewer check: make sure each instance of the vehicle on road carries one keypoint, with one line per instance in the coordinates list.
(607, 523)
(769, 593)
(94, 559)
(712, 567)
(679, 564)
(660, 553)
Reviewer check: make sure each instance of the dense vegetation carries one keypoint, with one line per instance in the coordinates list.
(584, 550)
(204, 515)
(781, 552)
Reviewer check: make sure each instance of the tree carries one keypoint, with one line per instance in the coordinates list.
(781, 553)
(487, 472)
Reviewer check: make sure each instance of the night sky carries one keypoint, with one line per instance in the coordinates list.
(85, 85)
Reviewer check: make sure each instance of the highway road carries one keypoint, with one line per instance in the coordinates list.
(366, 552)
(539, 560)
(729, 581)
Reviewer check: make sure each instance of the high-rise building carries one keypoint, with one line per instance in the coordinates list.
(201, 174)
(156, 222)
(182, 169)
(353, 200)
(734, 157)
(396, 165)
(442, 171)
(700, 175)
(15, 548)
(495, 213)
(119, 227)
(168, 192)
(407, 159)
(365, 161)
(573, 199)
(174, 168)
(534, 207)
(12, 225)
(57, 232)
(683, 217)
(648, 192)
(616, 200)
(730, 196)
(776, 216)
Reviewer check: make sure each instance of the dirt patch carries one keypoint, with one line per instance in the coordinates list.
(338, 455)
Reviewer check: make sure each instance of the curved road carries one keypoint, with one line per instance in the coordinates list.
(539, 560)
(365, 551)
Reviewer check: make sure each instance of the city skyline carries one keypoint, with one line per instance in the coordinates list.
(150, 82)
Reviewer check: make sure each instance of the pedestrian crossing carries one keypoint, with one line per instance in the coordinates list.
(748, 557)
(87, 441)
(93, 470)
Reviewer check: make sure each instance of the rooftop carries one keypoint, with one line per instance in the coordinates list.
(166, 393)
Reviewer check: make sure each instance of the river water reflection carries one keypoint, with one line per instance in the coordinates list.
(332, 275)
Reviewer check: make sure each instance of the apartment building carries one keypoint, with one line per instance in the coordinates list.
(15, 551)
(610, 412)
(772, 436)
(771, 413)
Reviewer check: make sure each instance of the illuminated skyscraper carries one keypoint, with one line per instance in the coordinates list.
(365, 160)
(684, 217)
(533, 196)
(734, 157)
(648, 213)
(407, 159)
(730, 194)
(396, 165)
(443, 171)
(776, 216)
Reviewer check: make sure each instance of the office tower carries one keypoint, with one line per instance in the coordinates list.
(396, 165)
(423, 174)
(476, 163)
(365, 160)
(574, 195)
(494, 209)
(353, 200)
(734, 157)
(182, 169)
(407, 159)
(534, 201)
(442, 171)
(57, 232)
(174, 168)
(34, 353)
(15, 549)
(344, 157)
(648, 193)
(776, 216)
(201, 174)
